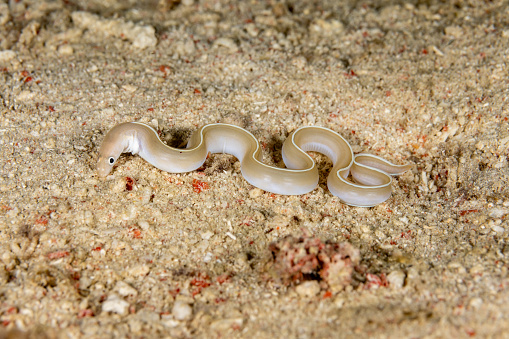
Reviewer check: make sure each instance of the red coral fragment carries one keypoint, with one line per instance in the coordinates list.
(57, 255)
(199, 186)
(85, 313)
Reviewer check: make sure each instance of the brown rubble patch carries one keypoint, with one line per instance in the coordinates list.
(306, 258)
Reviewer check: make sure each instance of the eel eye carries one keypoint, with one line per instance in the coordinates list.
(111, 160)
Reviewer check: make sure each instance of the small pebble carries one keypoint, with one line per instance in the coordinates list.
(308, 288)
(140, 270)
(396, 279)
(255, 193)
(25, 96)
(144, 225)
(207, 257)
(326, 27)
(7, 55)
(475, 302)
(115, 305)
(207, 235)
(129, 88)
(181, 310)
(498, 229)
(477, 269)
(498, 212)
(339, 301)
(125, 289)
(51, 142)
(65, 50)
(454, 31)
(228, 43)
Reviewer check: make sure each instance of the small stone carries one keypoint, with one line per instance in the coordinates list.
(255, 193)
(396, 279)
(475, 302)
(4, 14)
(171, 323)
(187, 2)
(7, 55)
(140, 270)
(498, 229)
(339, 301)
(228, 43)
(144, 37)
(129, 88)
(184, 48)
(454, 31)
(29, 33)
(299, 62)
(308, 288)
(65, 50)
(252, 30)
(266, 20)
(181, 310)
(25, 96)
(125, 289)
(115, 305)
(144, 225)
(477, 269)
(207, 235)
(207, 257)
(498, 212)
(326, 28)
(148, 316)
(413, 273)
(51, 142)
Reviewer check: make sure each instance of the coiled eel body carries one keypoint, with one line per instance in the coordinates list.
(371, 174)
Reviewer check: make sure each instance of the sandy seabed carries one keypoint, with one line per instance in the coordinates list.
(144, 253)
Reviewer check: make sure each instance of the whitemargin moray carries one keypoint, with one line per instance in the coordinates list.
(371, 174)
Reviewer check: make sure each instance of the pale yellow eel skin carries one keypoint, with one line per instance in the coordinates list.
(371, 175)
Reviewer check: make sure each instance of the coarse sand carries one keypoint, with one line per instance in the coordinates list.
(148, 254)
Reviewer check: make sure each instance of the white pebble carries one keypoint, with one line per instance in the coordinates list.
(207, 257)
(396, 279)
(498, 212)
(498, 229)
(65, 50)
(181, 310)
(7, 55)
(226, 42)
(326, 28)
(308, 288)
(144, 225)
(116, 305)
(25, 96)
(475, 302)
(231, 235)
(125, 289)
(207, 235)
